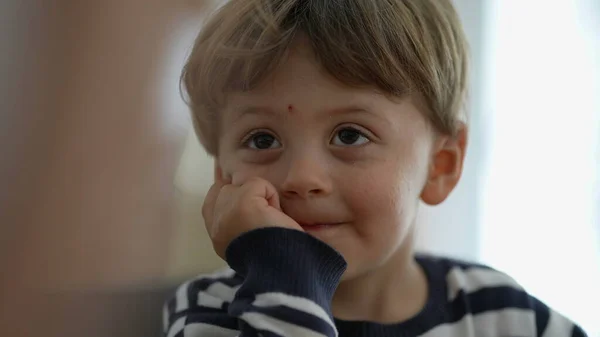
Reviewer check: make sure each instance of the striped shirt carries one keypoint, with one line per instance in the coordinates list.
(281, 283)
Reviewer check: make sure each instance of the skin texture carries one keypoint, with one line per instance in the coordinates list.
(351, 158)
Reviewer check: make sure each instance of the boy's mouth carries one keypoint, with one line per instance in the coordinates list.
(310, 227)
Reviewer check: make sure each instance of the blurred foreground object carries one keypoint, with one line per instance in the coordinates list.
(90, 144)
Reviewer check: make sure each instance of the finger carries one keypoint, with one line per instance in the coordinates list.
(259, 187)
(272, 195)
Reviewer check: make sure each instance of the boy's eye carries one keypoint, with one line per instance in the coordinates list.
(349, 136)
(262, 141)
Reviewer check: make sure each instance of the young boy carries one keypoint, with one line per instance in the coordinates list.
(329, 121)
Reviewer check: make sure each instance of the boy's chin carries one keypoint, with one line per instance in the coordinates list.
(354, 272)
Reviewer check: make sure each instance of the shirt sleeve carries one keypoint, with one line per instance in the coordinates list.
(281, 284)
(550, 323)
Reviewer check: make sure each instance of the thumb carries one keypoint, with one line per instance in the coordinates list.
(272, 196)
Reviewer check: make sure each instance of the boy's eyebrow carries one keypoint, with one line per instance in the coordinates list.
(269, 112)
(353, 109)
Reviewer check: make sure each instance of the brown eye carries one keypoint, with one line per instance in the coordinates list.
(349, 137)
(262, 141)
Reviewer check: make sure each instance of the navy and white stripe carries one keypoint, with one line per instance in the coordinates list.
(293, 299)
(279, 314)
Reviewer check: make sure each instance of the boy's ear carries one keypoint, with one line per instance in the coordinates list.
(446, 167)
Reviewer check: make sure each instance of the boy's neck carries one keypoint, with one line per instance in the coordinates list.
(392, 293)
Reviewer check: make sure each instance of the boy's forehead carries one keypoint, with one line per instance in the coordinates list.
(300, 86)
(293, 93)
(299, 71)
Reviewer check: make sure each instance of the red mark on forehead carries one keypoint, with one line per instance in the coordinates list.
(290, 108)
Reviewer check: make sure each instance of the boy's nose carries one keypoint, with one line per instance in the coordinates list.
(306, 177)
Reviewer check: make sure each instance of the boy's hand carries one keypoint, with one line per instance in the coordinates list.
(231, 210)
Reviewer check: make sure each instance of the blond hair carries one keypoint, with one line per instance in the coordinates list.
(399, 47)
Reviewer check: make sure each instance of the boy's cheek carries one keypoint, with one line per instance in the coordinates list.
(240, 172)
(239, 177)
(270, 173)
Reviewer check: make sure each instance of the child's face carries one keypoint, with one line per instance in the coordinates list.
(349, 158)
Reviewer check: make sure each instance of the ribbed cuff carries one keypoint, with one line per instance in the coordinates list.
(284, 260)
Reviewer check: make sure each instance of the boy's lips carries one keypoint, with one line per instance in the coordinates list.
(311, 220)
(316, 226)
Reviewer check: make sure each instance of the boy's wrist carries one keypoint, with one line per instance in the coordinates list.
(288, 261)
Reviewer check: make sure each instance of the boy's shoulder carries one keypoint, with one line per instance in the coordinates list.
(464, 275)
(486, 297)
(484, 287)
(454, 278)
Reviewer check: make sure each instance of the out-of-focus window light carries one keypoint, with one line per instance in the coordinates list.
(541, 204)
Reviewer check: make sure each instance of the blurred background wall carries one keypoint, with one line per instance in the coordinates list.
(103, 180)
(541, 199)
